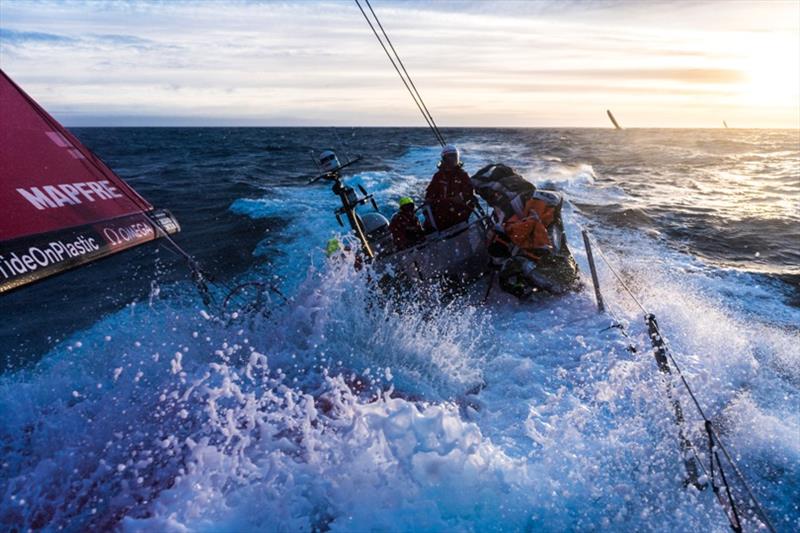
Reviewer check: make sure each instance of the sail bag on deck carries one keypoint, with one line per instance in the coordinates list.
(61, 206)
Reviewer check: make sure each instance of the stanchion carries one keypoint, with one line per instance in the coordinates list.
(600, 305)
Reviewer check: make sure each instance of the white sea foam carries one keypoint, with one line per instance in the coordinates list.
(344, 412)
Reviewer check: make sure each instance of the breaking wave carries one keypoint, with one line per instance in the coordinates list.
(339, 410)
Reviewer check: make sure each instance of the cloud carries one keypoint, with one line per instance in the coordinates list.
(124, 40)
(682, 75)
(317, 62)
(21, 37)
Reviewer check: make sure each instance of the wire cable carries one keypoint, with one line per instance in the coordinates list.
(433, 128)
(713, 436)
(386, 36)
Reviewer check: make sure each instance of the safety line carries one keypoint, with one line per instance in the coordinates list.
(713, 436)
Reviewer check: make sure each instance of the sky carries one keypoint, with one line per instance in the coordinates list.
(316, 62)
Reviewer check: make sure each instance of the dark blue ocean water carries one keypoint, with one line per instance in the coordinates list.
(729, 197)
(125, 404)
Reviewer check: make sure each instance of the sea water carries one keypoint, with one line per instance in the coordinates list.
(127, 404)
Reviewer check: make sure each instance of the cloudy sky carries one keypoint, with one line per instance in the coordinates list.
(525, 63)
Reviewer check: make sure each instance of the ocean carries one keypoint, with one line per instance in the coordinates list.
(126, 404)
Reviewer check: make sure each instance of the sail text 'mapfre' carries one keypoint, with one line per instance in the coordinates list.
(59, 195)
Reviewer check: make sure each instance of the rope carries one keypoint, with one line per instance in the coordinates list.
(618, 325)
(762, 514)
(420, 104)
(619, 278)
(713, 438)
(410, 80)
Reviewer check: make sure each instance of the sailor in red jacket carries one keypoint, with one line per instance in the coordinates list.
(450, 193)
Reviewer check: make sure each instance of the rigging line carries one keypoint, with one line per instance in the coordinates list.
(617, 322)
(712, 431)
(657, 328)
(710, 428)
(633, 349)
(740, 476)
(732, 515)
(712, 477)
(386, 36)
(621, 327)
(419, 105)
(436, 133)
(735, 521)
(678, 369)
(621, 281)
(759, 509)
(341, 143)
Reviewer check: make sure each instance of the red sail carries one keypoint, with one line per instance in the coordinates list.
(61, 205)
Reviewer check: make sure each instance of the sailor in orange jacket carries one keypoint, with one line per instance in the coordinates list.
(450, 193)
(527, 231)
(528, 258)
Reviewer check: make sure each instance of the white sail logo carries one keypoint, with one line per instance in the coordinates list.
(36, 257)
(54, 196)
(123, 234)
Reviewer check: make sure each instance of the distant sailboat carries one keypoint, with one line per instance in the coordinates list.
(613, 120)
(725, 124)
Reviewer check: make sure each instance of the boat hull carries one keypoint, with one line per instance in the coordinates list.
(459, 254)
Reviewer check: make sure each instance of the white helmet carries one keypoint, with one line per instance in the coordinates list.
(449, 149)
(451, 154)
(328, 161)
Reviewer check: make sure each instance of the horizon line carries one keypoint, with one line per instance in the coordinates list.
(295, 126)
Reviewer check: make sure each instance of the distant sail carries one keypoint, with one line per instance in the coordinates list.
(725, 124)
(613, 120)
(62, 206)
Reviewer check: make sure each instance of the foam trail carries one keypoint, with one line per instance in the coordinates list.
(342, 411)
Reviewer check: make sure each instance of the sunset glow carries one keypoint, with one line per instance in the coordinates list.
(667, 64)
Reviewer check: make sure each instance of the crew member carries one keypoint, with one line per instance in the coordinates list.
(405, 227)
(525, 253)
(450, 193)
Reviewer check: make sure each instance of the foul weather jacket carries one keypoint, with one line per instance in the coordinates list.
(527, 232)
(406, 229)
(451, 197)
